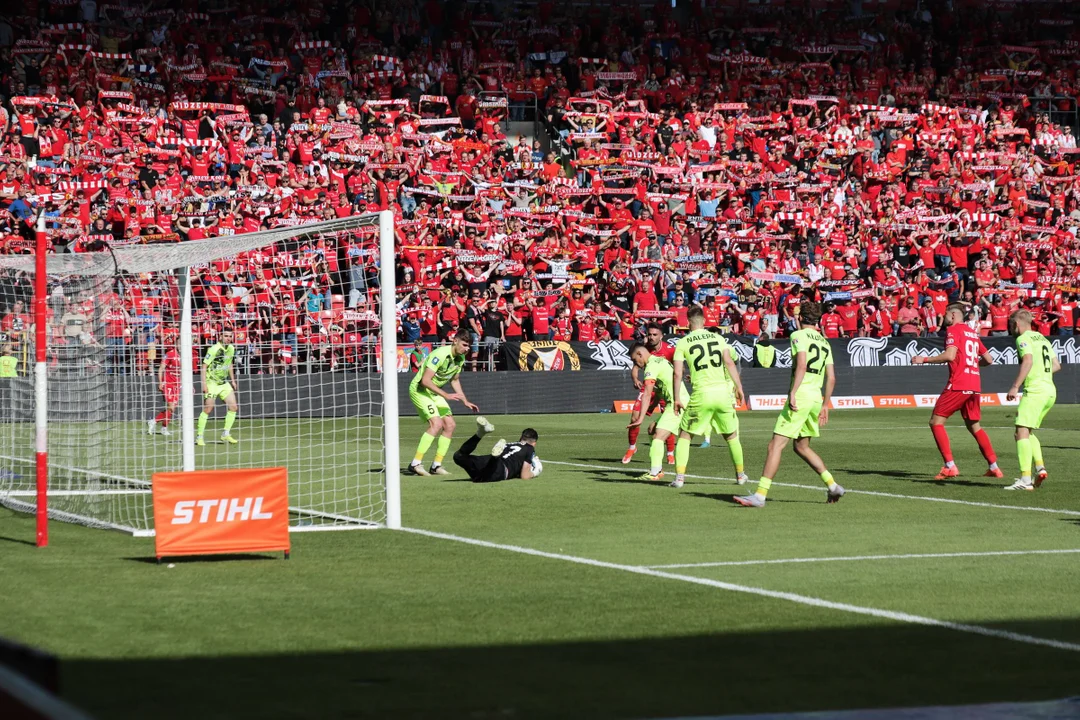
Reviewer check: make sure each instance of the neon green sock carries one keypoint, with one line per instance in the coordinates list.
(827, 478)
(682, 455)
(203, 417)
(230, 418)
(422, 447)
(735, 448)
(1023, 451)
(1036, 450)
(441, 449)
(763, 486)
(656, 456)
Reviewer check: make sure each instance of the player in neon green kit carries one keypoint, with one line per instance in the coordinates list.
(807, 406)
(1038, 363)
(219, 383)
(712, 404)
(659, 379)
(442, 366)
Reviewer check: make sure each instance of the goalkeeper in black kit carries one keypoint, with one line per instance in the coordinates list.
(506, 461)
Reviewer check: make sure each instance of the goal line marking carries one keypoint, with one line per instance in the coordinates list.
(855, 558)
(761, 592)
(875, 493)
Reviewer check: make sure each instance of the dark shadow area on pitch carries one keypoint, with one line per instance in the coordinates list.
(17, 541)
(961, 483)
(729, 497)
(1060, 447)
(891, 665)
(238, 557)
(626, 477)
(882, 473)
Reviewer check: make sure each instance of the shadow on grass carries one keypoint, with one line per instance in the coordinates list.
(729, 497)
(237, 557)
(17, 541)
(882, 473)
(961, 483)
(589, 679)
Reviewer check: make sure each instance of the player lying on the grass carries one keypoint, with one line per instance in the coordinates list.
(219, 383)
(655, 345)
(657, 385)
(169, 385)
(963, 353)
(806, 409)
(443, 365)
(1038, 363)
(712, 404)
(506, 461)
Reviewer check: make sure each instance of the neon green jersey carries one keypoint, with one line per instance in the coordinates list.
(818, 356)
(702, 351)
(1040, 379)
(661, 372)
(218, 363)
(446, 367)
(9, 366)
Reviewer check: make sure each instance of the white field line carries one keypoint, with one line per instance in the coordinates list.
(875, 493)
(855, 558)
(761, 592)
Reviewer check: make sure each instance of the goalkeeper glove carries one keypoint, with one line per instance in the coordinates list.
(537, 466)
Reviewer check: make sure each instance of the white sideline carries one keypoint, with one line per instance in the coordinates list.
(762, 592)
(854, 558)
(875, 493)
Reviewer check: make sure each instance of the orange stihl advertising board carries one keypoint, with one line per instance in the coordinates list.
(221, 511)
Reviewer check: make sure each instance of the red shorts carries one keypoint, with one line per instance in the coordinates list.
(656, 402)
(967, 403)
(172, 392)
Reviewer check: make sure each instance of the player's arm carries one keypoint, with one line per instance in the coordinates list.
(1025, 367)
(232, 376)
(456, 384)
(946, 357)
(796, 380)
(733, 373)
(646, 402)
(527, 472)
(986, 359)
(634, 377)
(677, 379)
(830, 384)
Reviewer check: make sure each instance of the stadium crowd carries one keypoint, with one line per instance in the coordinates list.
(739, 156)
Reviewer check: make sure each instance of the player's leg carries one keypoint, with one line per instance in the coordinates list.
(442, 445)
(812, 429)
(667, 427)
(1036, 446)
(947, 404)
(428, 411)
(694, 419)
(972, 414)
(1022, 435)
(1029, 415)
(231, 408)
(789, 426)
(727, 424)
(204, 416)
(463, 458)
(632, 433)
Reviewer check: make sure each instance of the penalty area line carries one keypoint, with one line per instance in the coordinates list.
(852, 491)
(761, 592)
(856, 558)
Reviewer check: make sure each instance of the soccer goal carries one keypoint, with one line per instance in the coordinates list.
(91, 348)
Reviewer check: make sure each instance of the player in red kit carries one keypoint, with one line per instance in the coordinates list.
(654, 343)
(169, 385)
(963, 352)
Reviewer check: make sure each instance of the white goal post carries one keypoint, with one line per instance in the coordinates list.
(316, 381)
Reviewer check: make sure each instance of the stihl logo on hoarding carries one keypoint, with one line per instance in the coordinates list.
(767, 402)
(227, 510)
(886, 401)
(221, 511)
(853, 401)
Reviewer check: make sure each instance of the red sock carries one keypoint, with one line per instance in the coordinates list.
(164, 417)
(671, 443)
(985, 447)
(941, 437)
(632, 434)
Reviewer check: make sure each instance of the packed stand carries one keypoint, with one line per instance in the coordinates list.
(885, 163)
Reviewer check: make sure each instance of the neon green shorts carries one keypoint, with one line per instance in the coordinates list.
(668, 420)
(218, 391)
(1033, 408)
(802, 422)
(709, 412)
(429, 405)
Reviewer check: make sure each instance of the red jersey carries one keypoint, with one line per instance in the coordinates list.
(964, 369)
(666, 351)
(171, 367)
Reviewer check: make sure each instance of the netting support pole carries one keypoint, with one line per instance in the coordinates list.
(388, 308)
(187, 373)
(41, 381)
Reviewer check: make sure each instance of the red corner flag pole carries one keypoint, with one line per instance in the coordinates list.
(41, 389)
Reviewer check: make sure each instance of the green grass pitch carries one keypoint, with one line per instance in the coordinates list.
(392, 624)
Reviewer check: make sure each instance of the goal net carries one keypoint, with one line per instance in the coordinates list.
(299, 310)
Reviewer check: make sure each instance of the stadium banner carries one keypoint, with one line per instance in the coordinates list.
(859, 352)
(210, 512)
